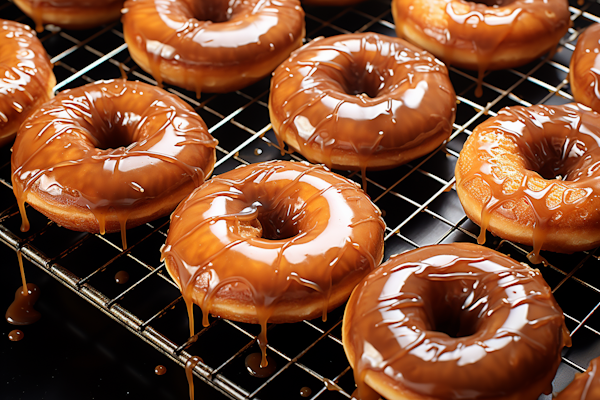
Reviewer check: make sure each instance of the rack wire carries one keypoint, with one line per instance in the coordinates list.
(307, 354)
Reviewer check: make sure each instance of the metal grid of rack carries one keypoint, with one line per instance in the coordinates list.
(307, 353)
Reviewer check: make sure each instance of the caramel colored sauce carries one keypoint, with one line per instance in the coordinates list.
(454, 322)
(483, 35)
(189, 373)
(16, 335)
(253, 365)
(361, 101)
(122, 277)
(25, 75)
(585, 386)
(584, 74)
(216, 47)
(21, 311)
(305, 391)
(269, 235)
(71, 14)
(160, 370)
(503, 165)
(111, 151)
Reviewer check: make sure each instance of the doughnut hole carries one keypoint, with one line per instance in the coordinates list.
(446, 311)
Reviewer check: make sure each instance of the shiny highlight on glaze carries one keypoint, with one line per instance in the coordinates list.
(454, 321)
(272, 242)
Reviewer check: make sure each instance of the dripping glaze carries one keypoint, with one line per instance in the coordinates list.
(26, 78)
(531, 175)
(272, 242)
(483, 35)
(361, 101)
(453, 321)
(110, 155)
(213, 46)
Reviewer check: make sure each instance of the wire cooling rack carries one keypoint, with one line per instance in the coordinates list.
(418, 200)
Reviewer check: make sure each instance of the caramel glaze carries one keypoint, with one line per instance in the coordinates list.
(454, 321)
(110, 155)
(585, 386)
(361, 101)
(483, 35)
(16, 335)
(189, 373)
(26, 78)
(71, 14)
(272, 242)
(531, 175)
(584, 74)
(215, 46)
(21, 311)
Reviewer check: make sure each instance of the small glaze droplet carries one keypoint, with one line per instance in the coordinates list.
(122, 277)
(305, 391)
(15, 335)
(160, 370)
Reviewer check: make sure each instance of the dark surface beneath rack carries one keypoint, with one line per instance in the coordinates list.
(76, 351)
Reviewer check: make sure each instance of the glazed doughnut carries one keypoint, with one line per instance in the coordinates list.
(585, 386)
(212, 46)
(478, 36)
(584, 75)
(272, 242)
(530, 175)
(110, 155)
(26, 78)
(453, 322)
(71, 14)
(361, 101)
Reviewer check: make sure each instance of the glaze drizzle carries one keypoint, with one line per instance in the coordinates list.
(214, 46)
(26, 77)
(536, 169)
(109, 150)
(435, 321)
(482, 35)
(272, 242)
(361, 101)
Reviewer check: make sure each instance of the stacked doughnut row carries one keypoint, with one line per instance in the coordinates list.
(286, 241)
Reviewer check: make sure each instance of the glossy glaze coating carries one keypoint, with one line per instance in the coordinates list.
(361, 101)
(26, 78)
(71, 14)
(109, 155)
(531, 175)
(585, 386)
(454, 322)
(273, 242)
(584, 74)
(483, 35)
(212, 46)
